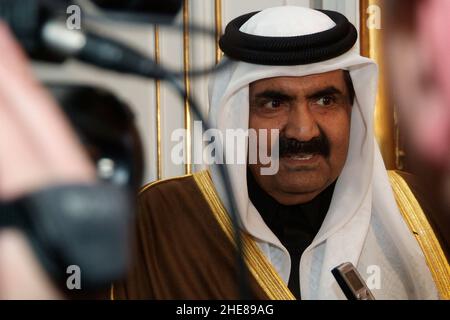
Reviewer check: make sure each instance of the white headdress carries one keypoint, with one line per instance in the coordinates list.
(363, 205)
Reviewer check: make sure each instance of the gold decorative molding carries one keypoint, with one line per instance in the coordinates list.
(187, 85)
(371, 40)
(218, 27)
(418, 223)
(158, 109)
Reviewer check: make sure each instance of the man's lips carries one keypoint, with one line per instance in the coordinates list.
(301, 157)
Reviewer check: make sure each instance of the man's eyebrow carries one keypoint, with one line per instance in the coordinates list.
(273, 94)
(328, 91)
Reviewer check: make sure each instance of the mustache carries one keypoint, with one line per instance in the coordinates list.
(290, 147)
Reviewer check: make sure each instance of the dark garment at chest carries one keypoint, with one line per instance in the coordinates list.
(295, 226)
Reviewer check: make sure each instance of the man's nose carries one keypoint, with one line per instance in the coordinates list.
(301, 124)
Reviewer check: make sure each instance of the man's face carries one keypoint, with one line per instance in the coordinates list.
(312, 114)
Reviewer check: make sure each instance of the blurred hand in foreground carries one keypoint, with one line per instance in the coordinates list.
(37, 149)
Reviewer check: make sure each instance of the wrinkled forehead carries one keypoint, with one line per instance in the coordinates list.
(249, 75)
(336, 83)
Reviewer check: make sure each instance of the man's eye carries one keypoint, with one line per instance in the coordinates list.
(326, 101)
(273, 104)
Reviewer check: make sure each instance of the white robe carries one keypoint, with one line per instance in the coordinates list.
(363, 224)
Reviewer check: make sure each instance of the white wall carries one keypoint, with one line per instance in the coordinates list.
(140, 93)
